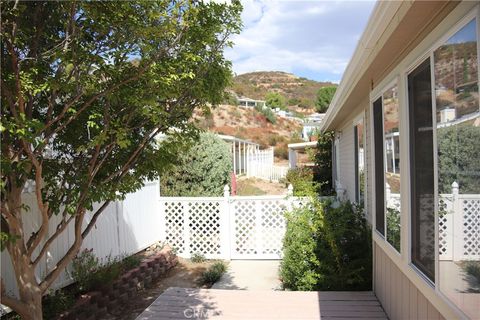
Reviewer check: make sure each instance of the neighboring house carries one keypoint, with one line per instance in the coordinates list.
(241, 149)
(250, 103)
(308, 129)
(311, 124)
(406, 121)
(315, 117)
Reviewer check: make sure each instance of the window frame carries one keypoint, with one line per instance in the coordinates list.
(360, 119)
(450, 24)
(376, 94)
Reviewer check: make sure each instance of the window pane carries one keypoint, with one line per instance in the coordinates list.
(379, 174)
(392, 165)
(359, 163)
(421, 163)
(458, 143)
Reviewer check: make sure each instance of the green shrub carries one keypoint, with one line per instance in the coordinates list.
(203, 170)
(57, 302)
(302, 181)
(281, 151)
(472, 269)
(84, 265)
(323, 162)
(326, 247)
(91, 274)
(267, 113)
(213, 273)
(299, 264)
(275, 100)
(393, 227)
(109, 270)
(131, 262)
(197, 258)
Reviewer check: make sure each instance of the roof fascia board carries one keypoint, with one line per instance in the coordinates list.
(382, 15)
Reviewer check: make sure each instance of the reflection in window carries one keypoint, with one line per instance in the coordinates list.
(392, 165)
(458, 141)
(359, 163)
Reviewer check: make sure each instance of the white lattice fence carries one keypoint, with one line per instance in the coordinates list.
(470, 234)
(458, 224)
(227, 227)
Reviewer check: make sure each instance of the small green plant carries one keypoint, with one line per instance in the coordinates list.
(472, 269)
(131, 262)
(213, 273)
(83, 266)
(393, 227)
(197, 258)
(110, 269)
(90, 273)
(57, 302)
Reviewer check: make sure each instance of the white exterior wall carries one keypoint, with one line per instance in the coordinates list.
(346, 161)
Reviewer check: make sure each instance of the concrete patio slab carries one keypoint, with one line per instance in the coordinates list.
(250, 275)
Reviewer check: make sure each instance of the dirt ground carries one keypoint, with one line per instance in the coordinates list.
(185, 274)
(268, 188)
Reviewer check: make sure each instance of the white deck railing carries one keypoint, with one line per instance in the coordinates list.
(260, 165)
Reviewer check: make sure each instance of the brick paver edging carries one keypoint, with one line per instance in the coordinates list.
(95, 304)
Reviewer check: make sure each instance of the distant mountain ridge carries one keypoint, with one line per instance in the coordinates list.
(297, 90)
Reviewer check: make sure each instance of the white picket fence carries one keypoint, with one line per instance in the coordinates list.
(124, 228)
(228, 227)
(458, 225)
(260, 165)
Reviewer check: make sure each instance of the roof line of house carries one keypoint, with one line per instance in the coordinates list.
(382, 14)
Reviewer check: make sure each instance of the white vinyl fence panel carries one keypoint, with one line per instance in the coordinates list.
(124, 228)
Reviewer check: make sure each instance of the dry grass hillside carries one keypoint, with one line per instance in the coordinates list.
(298, 91)
(251, 125)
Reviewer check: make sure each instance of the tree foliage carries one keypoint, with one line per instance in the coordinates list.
(275, 100)
(324, 97)
(203, 170)
(458, 148)
(86, 87)
(323, 162)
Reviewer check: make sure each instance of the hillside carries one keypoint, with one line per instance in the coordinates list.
(298, 91)
(251, 125)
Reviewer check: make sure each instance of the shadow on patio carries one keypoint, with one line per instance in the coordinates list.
(182, 303)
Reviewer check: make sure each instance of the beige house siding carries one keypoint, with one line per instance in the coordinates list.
(368, 166)
(347, 161)
(399, 297)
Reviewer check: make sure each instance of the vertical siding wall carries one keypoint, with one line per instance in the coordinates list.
(398, 295)
(347, 161)
(368, 166)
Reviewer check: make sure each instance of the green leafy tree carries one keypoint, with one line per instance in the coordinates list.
(275, 100)
(202, 171)
(458, 148)
(86, 88)
(324, 97)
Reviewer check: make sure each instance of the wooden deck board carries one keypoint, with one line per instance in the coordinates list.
(182, 303)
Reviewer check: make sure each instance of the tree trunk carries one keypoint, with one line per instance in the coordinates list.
(29, 302)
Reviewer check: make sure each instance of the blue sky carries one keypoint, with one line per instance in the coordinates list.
(312, 39)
